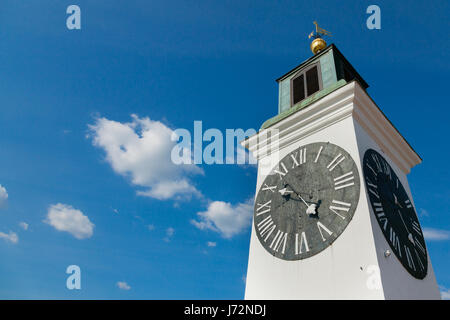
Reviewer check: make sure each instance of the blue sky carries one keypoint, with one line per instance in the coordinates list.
(64, 92)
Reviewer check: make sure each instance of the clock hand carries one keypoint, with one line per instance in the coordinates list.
(284, 191)
(396, 201)
(410, 237)
(311, 208)
(303, 200)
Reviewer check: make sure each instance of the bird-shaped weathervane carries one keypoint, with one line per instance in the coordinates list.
(318, 43)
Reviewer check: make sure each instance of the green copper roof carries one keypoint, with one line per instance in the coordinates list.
(304, 103)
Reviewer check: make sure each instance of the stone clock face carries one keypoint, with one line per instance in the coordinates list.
(395, 214)
(306, 201)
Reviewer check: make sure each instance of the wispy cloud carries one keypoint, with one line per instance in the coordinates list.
(141, 150)
(122, 285)
(445, 293)
(211, 244)
(24, 225)
(3, 196)
(435, 234)
(9, 237)
(169, 234)
(423, 212)
(64, 217)
(225, 218)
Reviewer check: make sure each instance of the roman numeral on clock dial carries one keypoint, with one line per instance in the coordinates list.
(408, 204)
(378, 207)
(266, 227)
(267, 187)
(395, 241)
(380, 214)
(419, 246)
(340, 206)
(321, 227)
(338, 159)
(370, 184)
(279, 241)
(318, 154)
(296, 161)
(374, 192)
(410, 258)
(263, 208)
(416, 227)
(282, 170)
(377, 162)
(422, 267)
(344, 181)
(300, 243)
(372, 169)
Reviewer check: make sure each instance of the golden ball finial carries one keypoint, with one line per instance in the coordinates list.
(318, 45)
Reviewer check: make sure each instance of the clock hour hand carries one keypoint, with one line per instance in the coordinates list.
(396, 201)
(284, 191)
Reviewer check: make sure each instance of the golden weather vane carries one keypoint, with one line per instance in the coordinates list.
(318, 43)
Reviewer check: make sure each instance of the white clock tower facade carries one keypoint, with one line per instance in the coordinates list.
(360, 263)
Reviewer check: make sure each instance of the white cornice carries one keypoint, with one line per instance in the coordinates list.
(350, 100)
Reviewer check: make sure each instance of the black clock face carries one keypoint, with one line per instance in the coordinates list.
(395, 214)
(306, 201)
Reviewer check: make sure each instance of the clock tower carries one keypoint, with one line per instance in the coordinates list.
(334, 217)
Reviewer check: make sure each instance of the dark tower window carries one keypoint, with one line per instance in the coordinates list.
(298, 85)
(305, 83)
(312, 81)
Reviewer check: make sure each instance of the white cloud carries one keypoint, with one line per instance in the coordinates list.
(141, 150)
(436, 234)
(224, 218)
(24, 225)
(122, 285)
(167, 189)
(170, 231)
(3, 196)
(445, 293)
(11, 237)
(169, 234)
(64, 217)
(151, 227)
(423, 212)
(211, 244)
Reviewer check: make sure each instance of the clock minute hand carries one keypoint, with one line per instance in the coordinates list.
(410, 237)
(311, 208)
(302, 199)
